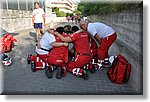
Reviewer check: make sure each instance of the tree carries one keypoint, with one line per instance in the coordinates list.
(100, 8)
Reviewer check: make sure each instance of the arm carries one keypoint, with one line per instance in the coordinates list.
(98, 39)
(33, 18)
(58, 44)
(65, 39)
(79, 31)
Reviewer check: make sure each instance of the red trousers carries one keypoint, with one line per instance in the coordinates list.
(57, 61)
(75, 67)
(105, 45)
(40, 61)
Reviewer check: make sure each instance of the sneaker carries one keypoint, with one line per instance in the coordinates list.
(63, 71)
(106, 63)
(59, 73)
(28, 58)
(99, 66)
(33, 67)
(93, 69)
(48, 72)
(85, 75)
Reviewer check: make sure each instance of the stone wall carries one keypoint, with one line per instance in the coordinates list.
(15, 20)
(129, 27)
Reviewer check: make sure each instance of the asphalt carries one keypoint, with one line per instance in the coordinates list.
(19, 79)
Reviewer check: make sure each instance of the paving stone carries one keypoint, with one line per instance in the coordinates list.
(19, 79)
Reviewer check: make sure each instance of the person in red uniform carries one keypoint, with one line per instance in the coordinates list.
(94, 48)
(82, 48)
(43, 47)
(104, 35)
(59, 56)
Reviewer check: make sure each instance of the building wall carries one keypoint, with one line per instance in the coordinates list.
(128, 25)
(64, 5)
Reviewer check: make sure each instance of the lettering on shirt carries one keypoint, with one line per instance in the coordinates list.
(59, 61)
(84, 36)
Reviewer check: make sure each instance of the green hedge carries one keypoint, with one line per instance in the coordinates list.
(61, 14)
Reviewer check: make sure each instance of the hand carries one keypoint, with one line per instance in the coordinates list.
(65, 44)
(56, 33)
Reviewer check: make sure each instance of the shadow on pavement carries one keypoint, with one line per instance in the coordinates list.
(3, 32)
(32, 35)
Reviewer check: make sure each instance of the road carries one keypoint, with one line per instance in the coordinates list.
(19, 79)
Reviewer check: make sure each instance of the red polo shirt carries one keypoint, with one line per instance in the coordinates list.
(81, 42)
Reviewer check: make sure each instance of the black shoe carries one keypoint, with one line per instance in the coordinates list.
(106, 64)
(85, 75)
(48, 72)
(36, 40)
(59, 73)
(28, 58)
(93, 70)
(33, 67)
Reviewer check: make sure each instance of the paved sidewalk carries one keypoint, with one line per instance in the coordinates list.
(19, 79)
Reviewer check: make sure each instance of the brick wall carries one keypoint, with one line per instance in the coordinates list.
(129, 27)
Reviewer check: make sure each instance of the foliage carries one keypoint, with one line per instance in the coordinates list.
(58, 13)
(99, 8)
(61, 14)
(69, 14)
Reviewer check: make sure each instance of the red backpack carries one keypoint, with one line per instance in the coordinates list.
(120, 70)
(7, 43)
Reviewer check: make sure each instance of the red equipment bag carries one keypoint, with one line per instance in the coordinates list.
(7, 43)
(120, 70)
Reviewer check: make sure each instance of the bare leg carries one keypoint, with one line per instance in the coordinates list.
(41, 31)
(37, 34)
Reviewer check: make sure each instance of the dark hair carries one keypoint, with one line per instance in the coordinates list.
(75, 28)
(60, 30)
(67, 26)
(36, 3)
(68, 30)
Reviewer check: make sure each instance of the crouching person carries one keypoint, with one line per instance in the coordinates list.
(58, 57)
(82, 47)
(43, 47)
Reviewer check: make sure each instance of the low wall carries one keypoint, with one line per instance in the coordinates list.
(14, 20)
(129, 27)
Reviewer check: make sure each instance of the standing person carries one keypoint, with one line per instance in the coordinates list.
(37, 19)
(82, 48)
(68, 18)
(72, 18)
(79, 18)
(104, 35)
(76, 19)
